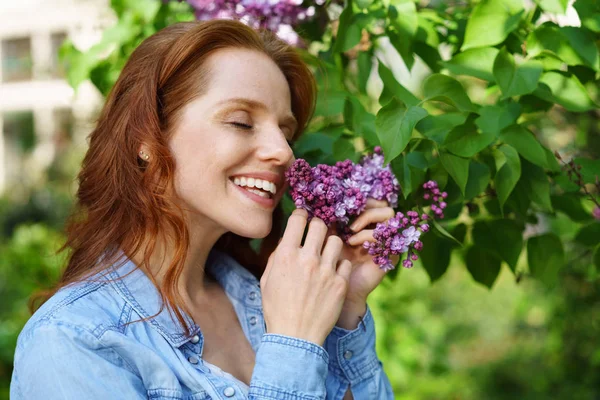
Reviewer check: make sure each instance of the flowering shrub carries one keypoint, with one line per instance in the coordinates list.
(475, 95)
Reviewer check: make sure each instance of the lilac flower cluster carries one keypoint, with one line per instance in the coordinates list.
(324, 191)
(375, 179)
(279, 16)
(398, 235)
(337, 193)
(433, 192)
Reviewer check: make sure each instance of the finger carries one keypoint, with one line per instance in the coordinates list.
(316, 235)
(332, 250)
(371, 216)
(361, 237)
(372, 203)
(345, 269)
(295, 228)
(265, 275)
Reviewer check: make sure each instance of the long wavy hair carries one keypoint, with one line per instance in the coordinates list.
(124, 203)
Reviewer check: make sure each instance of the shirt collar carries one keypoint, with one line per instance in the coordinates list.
(134, 286)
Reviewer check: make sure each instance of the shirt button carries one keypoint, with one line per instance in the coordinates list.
(252, 296)
(348, 354)
(193, 359)
(253, 320)
(195, 339)
(229, 391)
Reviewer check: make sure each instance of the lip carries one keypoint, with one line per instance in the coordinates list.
(267, 203)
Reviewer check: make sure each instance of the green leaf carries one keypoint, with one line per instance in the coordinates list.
(554, 6)
(589, 14)
(444, 232)
(584, 44)
(365, 63)
(479, 178)
(483, 265)
(573, 45)
(466, 141)
(551, 161)
(437, 127)
(394, 124)
(545, 256)
(526, 144)
(435, 262)
(343, 149)
(392, 88)
(590, 169)
(490, 23)
(508, 174)
(403, 45)
(565, 90)
(348, 33)
(596, 257)
(478, 62)
(448, 90)
(536, 185)
(589, 235)
(516, 80)
(402, 171)
(457, 167)
(403, 18)
(570, 205)
(492, 119)
(502, 237)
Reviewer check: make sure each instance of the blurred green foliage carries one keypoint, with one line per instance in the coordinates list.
(505, 302)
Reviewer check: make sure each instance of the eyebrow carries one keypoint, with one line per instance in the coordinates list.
(288, 119)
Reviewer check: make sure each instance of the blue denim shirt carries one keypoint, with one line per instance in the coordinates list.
(79, 345)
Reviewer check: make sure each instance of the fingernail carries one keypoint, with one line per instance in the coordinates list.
(353, 226)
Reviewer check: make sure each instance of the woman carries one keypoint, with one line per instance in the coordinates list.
(161, 296)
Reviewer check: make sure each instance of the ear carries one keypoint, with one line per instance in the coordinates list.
(144, 153)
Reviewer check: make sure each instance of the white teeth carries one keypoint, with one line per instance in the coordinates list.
(257, 183)
(258, 192)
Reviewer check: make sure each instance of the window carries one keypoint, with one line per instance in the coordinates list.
(57, 69)
(16, 60)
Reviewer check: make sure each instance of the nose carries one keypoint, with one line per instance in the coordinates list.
(273, 146)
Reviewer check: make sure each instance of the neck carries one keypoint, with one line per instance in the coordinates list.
(194, 284)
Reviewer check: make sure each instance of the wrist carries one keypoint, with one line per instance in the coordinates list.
(351, 314)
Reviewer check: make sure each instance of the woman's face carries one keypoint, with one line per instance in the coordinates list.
(237, 132)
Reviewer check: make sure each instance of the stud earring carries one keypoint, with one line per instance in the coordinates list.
(144, 155)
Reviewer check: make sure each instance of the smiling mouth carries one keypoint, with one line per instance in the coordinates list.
(257, 191)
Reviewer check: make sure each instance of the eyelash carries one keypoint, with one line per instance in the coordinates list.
(246, 127)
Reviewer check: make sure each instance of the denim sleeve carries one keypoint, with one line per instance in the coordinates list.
(353, 361)
(63, 362)
(288, 368)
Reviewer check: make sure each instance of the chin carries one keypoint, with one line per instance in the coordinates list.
(254, 230)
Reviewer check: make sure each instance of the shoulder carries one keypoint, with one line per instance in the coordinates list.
(85, 310)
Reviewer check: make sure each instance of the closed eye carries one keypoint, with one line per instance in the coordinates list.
(241, 125)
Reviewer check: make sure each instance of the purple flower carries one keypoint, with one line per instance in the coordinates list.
(596, 213)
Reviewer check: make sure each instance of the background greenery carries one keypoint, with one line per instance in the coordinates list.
(505, 302)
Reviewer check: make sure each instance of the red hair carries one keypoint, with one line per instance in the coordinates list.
(124, 203)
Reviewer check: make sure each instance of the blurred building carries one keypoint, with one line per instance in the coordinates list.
(39, 112)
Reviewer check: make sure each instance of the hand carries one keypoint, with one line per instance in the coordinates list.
(304, 287)
(366, 274)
